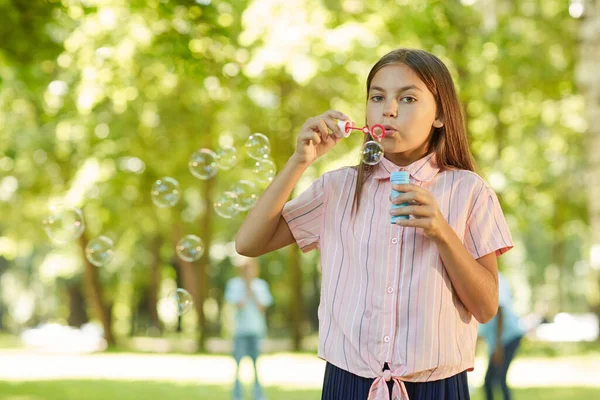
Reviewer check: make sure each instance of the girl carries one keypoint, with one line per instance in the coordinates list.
(399, 302)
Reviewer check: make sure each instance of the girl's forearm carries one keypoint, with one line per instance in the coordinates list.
(260, 224)
(475, 285)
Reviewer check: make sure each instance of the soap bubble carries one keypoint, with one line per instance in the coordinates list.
(264, 170)
(165, 192)
(226, 205)
(246, 194)
(203, 164)
(180, 301)
(189, 248)
(64, 224)
(226, 157)
(99, 251)
(372, 152)
(258, 146)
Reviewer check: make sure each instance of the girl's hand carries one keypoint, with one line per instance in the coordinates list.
(424, 209)
(317, 137)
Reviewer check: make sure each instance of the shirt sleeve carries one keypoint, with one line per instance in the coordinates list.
(304, 215)
(487, 231)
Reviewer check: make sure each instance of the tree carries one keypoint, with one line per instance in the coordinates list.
(589, 83)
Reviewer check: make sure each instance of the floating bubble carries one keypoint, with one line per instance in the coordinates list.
(226, 157)
(258, 146)
(181, 301)
(226, 205)
(264, 170)
(165, 192)
(189, 248)
(372, 152)
(99, 251)
(203, 164)
(246, 194)
(64, 224)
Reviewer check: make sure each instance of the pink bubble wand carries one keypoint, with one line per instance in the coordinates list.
(377, 131)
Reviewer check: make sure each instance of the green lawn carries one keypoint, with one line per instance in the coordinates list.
(130, 390)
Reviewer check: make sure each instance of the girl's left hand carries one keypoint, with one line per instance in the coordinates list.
(424, 209)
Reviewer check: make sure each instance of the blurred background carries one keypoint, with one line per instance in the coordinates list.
(100, 99)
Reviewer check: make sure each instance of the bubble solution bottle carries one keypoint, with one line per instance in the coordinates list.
(399, 178)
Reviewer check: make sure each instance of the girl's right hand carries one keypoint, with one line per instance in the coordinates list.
(317, 136)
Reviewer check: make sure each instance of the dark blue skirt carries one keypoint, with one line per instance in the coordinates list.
(343, 385)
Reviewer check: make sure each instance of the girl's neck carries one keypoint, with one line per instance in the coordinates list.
(406, 158)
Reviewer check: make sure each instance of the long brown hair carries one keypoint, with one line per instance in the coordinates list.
(449, 143)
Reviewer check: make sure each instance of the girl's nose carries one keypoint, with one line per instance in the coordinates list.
(390, 111)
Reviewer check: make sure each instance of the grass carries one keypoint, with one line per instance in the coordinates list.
(151, 390)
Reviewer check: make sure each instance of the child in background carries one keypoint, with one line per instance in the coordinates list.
(503, 335)
(251, 296)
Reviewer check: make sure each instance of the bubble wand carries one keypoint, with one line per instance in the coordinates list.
(372, 151)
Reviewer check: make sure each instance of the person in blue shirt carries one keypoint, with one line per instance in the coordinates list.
(251, 297)
(503, 335)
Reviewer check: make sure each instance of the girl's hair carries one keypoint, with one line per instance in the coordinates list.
(449, 143)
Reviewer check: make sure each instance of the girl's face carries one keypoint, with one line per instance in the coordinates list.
(401, 102)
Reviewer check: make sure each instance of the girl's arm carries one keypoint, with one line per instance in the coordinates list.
(264, 229)
(474, 280)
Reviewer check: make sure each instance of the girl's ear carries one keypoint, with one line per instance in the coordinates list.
(438, 123)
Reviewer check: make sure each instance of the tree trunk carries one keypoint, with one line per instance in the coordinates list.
(94, 294)
(282, 148)
(77, 313)
(154, 285)
(589, 84)
(201, 275)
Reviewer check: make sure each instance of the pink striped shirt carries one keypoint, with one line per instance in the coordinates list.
(385, 294)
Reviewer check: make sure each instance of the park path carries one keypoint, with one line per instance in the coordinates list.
(283, 369)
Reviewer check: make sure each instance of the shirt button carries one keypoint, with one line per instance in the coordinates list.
(390, 289)
(386, 339)
(394, 240)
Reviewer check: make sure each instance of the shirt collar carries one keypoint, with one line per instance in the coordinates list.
(422, 170)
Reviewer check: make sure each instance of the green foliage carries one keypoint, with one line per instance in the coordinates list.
(99, 99)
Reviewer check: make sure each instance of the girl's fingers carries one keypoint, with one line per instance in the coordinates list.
(322, 129)
(412, 194)
(310, 136)
(415, 211)
(336, 115)
(412, 198)
(333, 126)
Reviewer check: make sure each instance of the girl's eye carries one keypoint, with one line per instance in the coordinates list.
(409, 99)
(376, 98)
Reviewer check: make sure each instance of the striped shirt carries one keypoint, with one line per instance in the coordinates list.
(385, 294)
